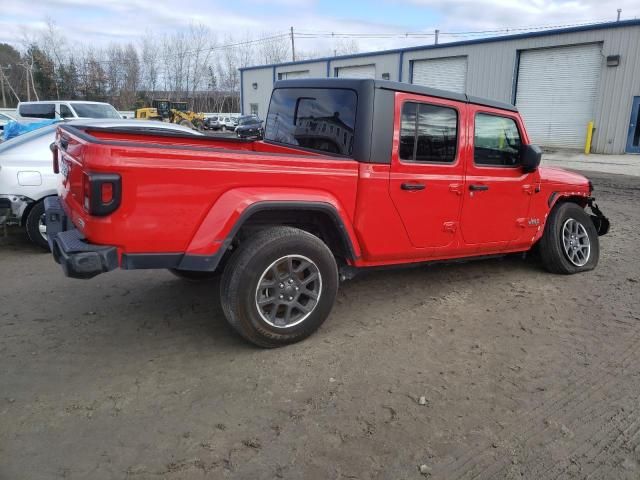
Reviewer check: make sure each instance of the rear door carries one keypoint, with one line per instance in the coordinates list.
(427, 168)
(497, 191)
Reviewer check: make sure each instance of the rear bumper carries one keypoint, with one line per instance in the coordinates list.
(81, 259)
(78, 258)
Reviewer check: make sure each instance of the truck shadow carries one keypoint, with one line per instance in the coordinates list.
(17, 241)
(178, 308)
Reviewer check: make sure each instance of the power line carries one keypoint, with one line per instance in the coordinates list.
(382, 35)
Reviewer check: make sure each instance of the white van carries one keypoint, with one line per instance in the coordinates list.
(67, 109)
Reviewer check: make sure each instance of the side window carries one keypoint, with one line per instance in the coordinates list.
(496, 141)
(408, 130)
(65, 112)
(428, 133)
(38, 110)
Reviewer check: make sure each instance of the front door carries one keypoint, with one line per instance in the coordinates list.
(633, 140)
(427, 168)
(497, 192)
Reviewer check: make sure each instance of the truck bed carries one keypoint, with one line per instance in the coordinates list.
(171, 184)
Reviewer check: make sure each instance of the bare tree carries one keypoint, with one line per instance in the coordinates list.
(54, 45)
(150, 56)
(273, 50)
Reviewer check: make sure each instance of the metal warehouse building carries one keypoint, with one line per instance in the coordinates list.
(560, 80)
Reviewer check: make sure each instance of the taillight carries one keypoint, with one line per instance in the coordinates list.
(101, 193)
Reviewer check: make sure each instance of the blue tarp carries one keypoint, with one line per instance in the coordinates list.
(13, 129)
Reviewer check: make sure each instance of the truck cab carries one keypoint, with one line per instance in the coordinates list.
(351, 174)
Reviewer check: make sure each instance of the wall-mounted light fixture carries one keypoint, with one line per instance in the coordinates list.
(613, 60)
(255, 85)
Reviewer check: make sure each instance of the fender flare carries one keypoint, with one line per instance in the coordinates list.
(198, 255)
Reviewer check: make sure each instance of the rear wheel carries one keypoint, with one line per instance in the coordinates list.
(570, 241)
(279, 286)
(36, 226)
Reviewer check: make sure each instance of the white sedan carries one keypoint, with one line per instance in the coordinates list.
(26, 172)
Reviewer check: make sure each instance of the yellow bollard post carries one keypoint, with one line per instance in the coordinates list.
(587, 145)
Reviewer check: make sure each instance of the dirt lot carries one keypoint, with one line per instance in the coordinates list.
(136, 375)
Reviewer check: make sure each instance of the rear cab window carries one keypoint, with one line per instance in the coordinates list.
(496, 141)
(38, 110)
(319, 119)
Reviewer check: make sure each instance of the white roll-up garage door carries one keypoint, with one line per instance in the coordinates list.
(358, 71)
(443, 73)
(289, 75)
(556, 93)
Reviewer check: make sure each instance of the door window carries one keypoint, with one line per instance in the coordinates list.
(428, 133)
(65, 112)
(254, 108)
(496, 141)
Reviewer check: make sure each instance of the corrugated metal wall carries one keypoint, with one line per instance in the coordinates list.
(492, 67)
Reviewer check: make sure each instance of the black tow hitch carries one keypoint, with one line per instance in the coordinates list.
(601, 222)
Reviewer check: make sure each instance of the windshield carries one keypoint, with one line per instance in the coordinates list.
(95, 110)
(248, 121)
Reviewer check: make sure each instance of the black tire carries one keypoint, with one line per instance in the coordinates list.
(242, 274)
(551, 247)
(187, 123)
(33, 225)
(194, 275)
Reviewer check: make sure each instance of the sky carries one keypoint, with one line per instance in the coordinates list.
(98, 23)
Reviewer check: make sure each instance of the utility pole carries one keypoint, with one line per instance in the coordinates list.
(293, 46)
(436, 37)
(619, 12)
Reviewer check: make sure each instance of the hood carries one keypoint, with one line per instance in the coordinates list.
(562, 176)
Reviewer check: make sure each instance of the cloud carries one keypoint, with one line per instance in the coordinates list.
(99, 23)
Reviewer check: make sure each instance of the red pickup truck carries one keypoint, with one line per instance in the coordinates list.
(351, 174)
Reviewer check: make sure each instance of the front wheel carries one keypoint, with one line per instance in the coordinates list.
(570, 241)
(279, 286)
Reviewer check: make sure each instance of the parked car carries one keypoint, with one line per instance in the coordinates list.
(67, 110)
(4, 119)
(212, 123)
(26, 170)
(340, 184)
(229, 123)
(249, 126)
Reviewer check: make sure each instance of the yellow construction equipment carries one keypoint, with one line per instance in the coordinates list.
(148, 113)
(172, 112)
(180, 114)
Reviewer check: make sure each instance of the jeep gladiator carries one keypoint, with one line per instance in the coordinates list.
(351, 174)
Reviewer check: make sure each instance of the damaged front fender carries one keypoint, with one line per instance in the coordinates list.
(601, 222)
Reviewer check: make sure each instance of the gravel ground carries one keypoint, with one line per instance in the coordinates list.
(523, 374)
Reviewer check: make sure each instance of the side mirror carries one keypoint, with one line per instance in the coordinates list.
(531, 156)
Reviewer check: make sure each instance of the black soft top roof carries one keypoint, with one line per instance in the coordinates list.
(368, 84)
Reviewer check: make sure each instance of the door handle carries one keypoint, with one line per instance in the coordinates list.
(413, 186)
(478, 188)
